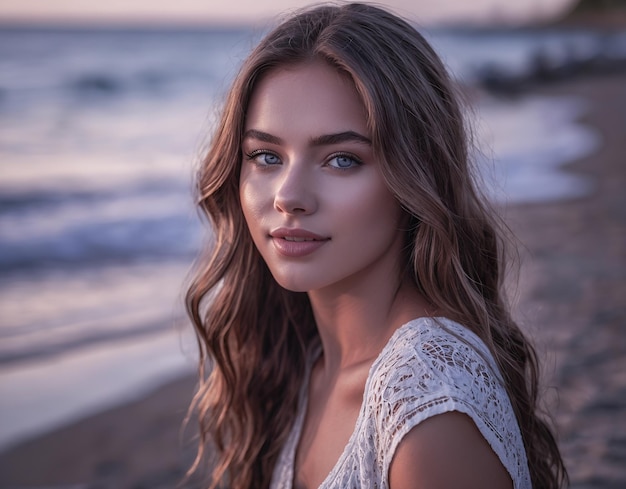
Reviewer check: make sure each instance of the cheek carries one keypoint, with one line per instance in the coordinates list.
(253, 200)
(247, 193)
(373, 206)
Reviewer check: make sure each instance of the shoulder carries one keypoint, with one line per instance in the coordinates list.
(447, 451)
(436, 370)
(432, 358)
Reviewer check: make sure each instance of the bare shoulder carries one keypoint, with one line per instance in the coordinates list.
(447, 451)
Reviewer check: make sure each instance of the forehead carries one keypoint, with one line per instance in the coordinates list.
(310, 96)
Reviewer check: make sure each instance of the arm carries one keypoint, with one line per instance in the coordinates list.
(447, 451)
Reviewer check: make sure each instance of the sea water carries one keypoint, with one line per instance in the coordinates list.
(100, 134)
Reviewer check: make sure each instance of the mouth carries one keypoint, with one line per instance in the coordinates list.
(297, 235)
(297, 243)
(298, 240)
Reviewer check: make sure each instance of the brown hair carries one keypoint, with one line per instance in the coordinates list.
(255, 334)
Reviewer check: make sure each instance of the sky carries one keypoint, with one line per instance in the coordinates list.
(254, 11)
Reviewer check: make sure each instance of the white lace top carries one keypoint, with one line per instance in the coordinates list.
(428, 367)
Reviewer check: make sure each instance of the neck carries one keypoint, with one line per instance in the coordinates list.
(355, 323)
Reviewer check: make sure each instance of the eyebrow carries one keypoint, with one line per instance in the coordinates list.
(340, 137)
(262, 136)
(324, 140)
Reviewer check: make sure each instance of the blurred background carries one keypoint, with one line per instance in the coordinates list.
(105, 108)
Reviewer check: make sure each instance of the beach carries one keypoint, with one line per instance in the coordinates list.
(570, 300)
(573, 290)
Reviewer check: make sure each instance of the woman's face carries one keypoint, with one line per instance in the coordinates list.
(311, 190)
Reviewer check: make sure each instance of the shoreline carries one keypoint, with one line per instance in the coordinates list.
(573, 278)
(88, 380)
(138, 444)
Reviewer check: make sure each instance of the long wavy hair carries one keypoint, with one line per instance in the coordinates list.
(254, 335)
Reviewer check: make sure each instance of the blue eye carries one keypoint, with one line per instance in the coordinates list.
(343, 162)
(264, 158)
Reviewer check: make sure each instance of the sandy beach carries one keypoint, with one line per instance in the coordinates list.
(571, 301)
(573, 290)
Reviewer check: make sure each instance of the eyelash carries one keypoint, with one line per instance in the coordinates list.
(254, 154)
(251, 156)
(349, 156)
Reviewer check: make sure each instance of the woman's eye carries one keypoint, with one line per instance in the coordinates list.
(343, 162)
(263, 158)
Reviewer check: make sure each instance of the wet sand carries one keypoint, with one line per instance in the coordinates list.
(572, 301)
(573, 295)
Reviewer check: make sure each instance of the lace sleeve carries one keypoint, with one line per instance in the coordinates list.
(442, 368)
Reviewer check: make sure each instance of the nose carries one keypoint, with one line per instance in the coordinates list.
(295, 191)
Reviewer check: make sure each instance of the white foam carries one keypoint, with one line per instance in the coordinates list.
(526, 143)
(38, 397)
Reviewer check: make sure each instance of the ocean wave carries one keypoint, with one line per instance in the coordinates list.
(114, 84)
(16, 199)
(86, 338)
(79, 228)
(29, 200)
(86, 244)
(97, 83)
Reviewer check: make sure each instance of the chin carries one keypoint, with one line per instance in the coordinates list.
(294, 282)
(292, 285)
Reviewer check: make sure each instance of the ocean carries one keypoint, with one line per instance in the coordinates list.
(101, 131)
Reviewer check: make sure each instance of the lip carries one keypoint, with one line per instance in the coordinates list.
(296, 243)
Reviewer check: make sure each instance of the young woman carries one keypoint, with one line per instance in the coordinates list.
(350, 311)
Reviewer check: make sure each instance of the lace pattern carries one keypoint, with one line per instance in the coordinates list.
(429, 366)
